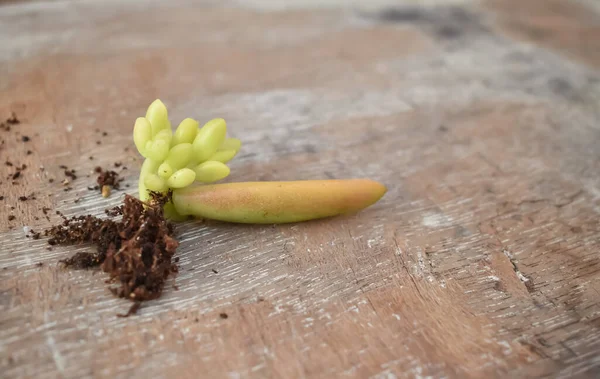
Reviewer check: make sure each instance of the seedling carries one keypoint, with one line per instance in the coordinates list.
(187, 161)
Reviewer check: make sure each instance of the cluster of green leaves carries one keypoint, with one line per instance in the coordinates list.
(190, 154)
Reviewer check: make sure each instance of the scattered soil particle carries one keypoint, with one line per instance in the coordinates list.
(25, 139)
(114, 211)
(223, 316)
(13, 120)
(70, 174)
(18, 170)
(132, 310)
(29, 152)
(11, 217)
(1, 198)
(8, 163)
(135, 251)
(530, 285)
(81, 260)
(215, 271)
(28, 197)
(107, 180)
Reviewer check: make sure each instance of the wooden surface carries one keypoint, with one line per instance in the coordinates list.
(482, 118)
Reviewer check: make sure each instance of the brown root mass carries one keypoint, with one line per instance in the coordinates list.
(135, 251)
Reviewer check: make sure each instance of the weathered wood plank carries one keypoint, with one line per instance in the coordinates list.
(481, 260)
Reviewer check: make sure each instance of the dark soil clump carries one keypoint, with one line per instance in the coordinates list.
(12, 120)
(108, 178)
(136, 251)
(26, 198)
(18, 170)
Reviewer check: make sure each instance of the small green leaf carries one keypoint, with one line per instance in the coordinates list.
(155, 183)
(209, 139)
(223, 156)
(211, 171)
(165, 170)
(157, 116)
(180, 155)
(186, 132)
(181, 178)
(142, 133)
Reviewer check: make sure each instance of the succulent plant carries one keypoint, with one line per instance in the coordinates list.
(175, 161)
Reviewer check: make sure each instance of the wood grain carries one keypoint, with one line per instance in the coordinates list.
(482, 120)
